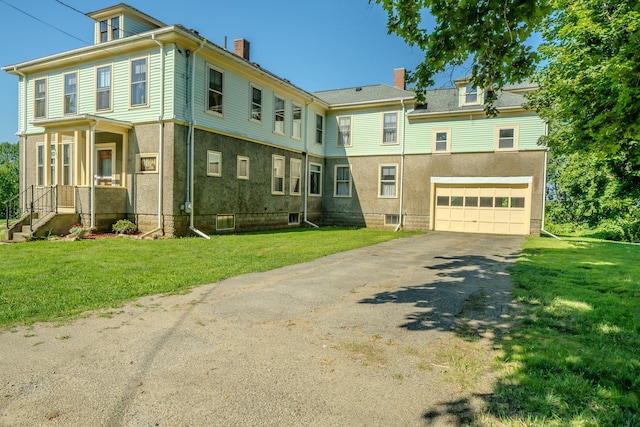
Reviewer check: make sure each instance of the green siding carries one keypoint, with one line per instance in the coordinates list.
(130, 26)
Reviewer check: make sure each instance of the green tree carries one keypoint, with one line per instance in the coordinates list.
(8, 172)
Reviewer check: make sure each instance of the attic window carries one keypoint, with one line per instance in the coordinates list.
(109, 29)
(471, 94)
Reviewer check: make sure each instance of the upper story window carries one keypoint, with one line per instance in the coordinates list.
(109, 29)
(319, 129)
(441, 140)
(215, 90)
(296, 121)
(344, 131)
(506, 138)
(390, 128)
(139, 80)
(278, 115)
(40, 98)
(103, 88)
(470, 95)
(115, 28)
(70, 93)
(256, 104)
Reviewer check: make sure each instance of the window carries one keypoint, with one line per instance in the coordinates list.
(115, 28)
(40, 98)
(517, 202)
(296, 175)
(391, 219)
(52, 165)
(506, 138)
(441, 140)
(66, 165)
(103, 88)
(296, 122)
(278, 115)
(390, 128)
(388, 180)
(243, 167)
(109, 29)
(343, 181)
(138, 82)
(256, 104)
(146, 163)
(457, 201)
(105, 156)
(502, 202)
(104, 31)
(319, 128)
(315, 179)
(471, 202)
(40, 155)
(294, 218)
(70, 93)
(486, 202)
(442, 201)
(225, 222)
(344, 131)
(277, 177)
(214, 163)
(214, 103)
(471, 95)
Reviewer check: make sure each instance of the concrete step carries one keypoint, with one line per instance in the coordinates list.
(21, 237)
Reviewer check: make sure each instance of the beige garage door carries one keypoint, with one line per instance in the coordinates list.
(500, 209)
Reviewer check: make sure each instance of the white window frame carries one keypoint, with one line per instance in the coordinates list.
(146, 83)
(41, 160)
(516, 132)
(296, 173)
(66, 149)
(384, 128)
(381, 181)
(319, 130)
(336, 181)
(464, 91)
(277, 174)
(72, 95)
(220, 92)
(319, 173)
(279, 114)
(242, 159)
(111, 146)
(296, 124)
(152, 166)
(446, 131)
(42, 99)
(340, 139)
(388, 217)
(209, 163)
(295, 215)
(220, 217)
(99, 90)
(253, 117)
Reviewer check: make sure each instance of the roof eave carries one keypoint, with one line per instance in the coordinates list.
(460, 113)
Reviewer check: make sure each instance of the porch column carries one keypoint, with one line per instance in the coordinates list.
(92, 168)
(125, 157)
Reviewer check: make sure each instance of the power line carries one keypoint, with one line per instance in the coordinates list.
(71, 7)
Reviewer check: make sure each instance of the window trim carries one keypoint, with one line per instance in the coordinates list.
(226, 216)
(321, 130)
(251, 104)
(297, 215)
(109, 29)
(319, 194)
(141, 156)
(208, 109)
(215, 174)
(516, 133)
(295, 105)
(339, 131)
(45, 98)
(240, 159)
(146, 103)
(388, 216)
(335, 181)
(76, 93)
(291, 176)
(114, 161)
(386, 165)
(435, 141)
(41, 167)
(97, 67)
(277, 97)
(382, 141)
(479, 95)
(275, 157)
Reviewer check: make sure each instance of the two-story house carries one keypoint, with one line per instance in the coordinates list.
(158, 125)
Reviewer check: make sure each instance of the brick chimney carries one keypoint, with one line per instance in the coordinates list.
(241, 48)
(399, 75)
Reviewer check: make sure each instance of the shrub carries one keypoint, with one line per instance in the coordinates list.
(78, 230)
(124, 226)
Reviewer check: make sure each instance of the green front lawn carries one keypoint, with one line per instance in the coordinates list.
(44, 281)
(574, 358)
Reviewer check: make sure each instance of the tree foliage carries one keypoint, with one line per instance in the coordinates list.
(8, 172)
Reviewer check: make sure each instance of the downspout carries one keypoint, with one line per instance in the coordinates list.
(191, 162)
(160, 141)
(400, 217)
(306, 165)
(23, 132)
(544, 191)
(92, 148)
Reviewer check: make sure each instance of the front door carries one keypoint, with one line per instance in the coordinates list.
(105, 166)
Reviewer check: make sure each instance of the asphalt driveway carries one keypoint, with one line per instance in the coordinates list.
(373, 336)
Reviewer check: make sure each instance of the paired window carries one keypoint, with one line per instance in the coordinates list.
(296, 175)
(225, 222)
(390, 128)
(70, 93)
(388, 180)
(442, 140)
(296, 121)
(103, 88)
(215, 91)
(344, 131)
(256, 104)
(319, 129)
(343, 181)
(315, 179)
(277, 176)
(214, 163)
(278, 115)
(139, 79)
(109, 29)
(507, 138)
(40, 98)
(243, 167)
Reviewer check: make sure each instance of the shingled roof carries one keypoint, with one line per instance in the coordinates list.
(446, 101)
(364, 95)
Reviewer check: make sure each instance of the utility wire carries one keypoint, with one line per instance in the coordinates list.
(71, 7)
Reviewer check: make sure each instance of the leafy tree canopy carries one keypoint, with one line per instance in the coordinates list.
(8, 172)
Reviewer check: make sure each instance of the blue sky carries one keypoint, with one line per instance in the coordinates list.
(316, 45)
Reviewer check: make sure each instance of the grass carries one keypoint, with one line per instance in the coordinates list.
(574, 358)
(56, 281)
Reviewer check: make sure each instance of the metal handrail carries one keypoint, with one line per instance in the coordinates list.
(12, 208)
(27, 201)
(46, 203)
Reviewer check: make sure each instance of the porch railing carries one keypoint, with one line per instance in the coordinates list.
(34, 201)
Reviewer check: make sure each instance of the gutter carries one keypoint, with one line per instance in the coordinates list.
(544, 188)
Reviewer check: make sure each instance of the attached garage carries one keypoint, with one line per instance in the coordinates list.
(498, 205)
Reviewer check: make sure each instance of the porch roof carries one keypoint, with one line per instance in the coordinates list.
(84, 122)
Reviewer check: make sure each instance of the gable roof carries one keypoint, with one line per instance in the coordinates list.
(363, 95)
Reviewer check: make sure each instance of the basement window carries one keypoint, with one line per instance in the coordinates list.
(225, 222)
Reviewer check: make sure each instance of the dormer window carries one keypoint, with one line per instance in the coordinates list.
(109, 29)
(470, 94)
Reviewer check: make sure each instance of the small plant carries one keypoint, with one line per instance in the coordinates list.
(124, 226)
(78, 230)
